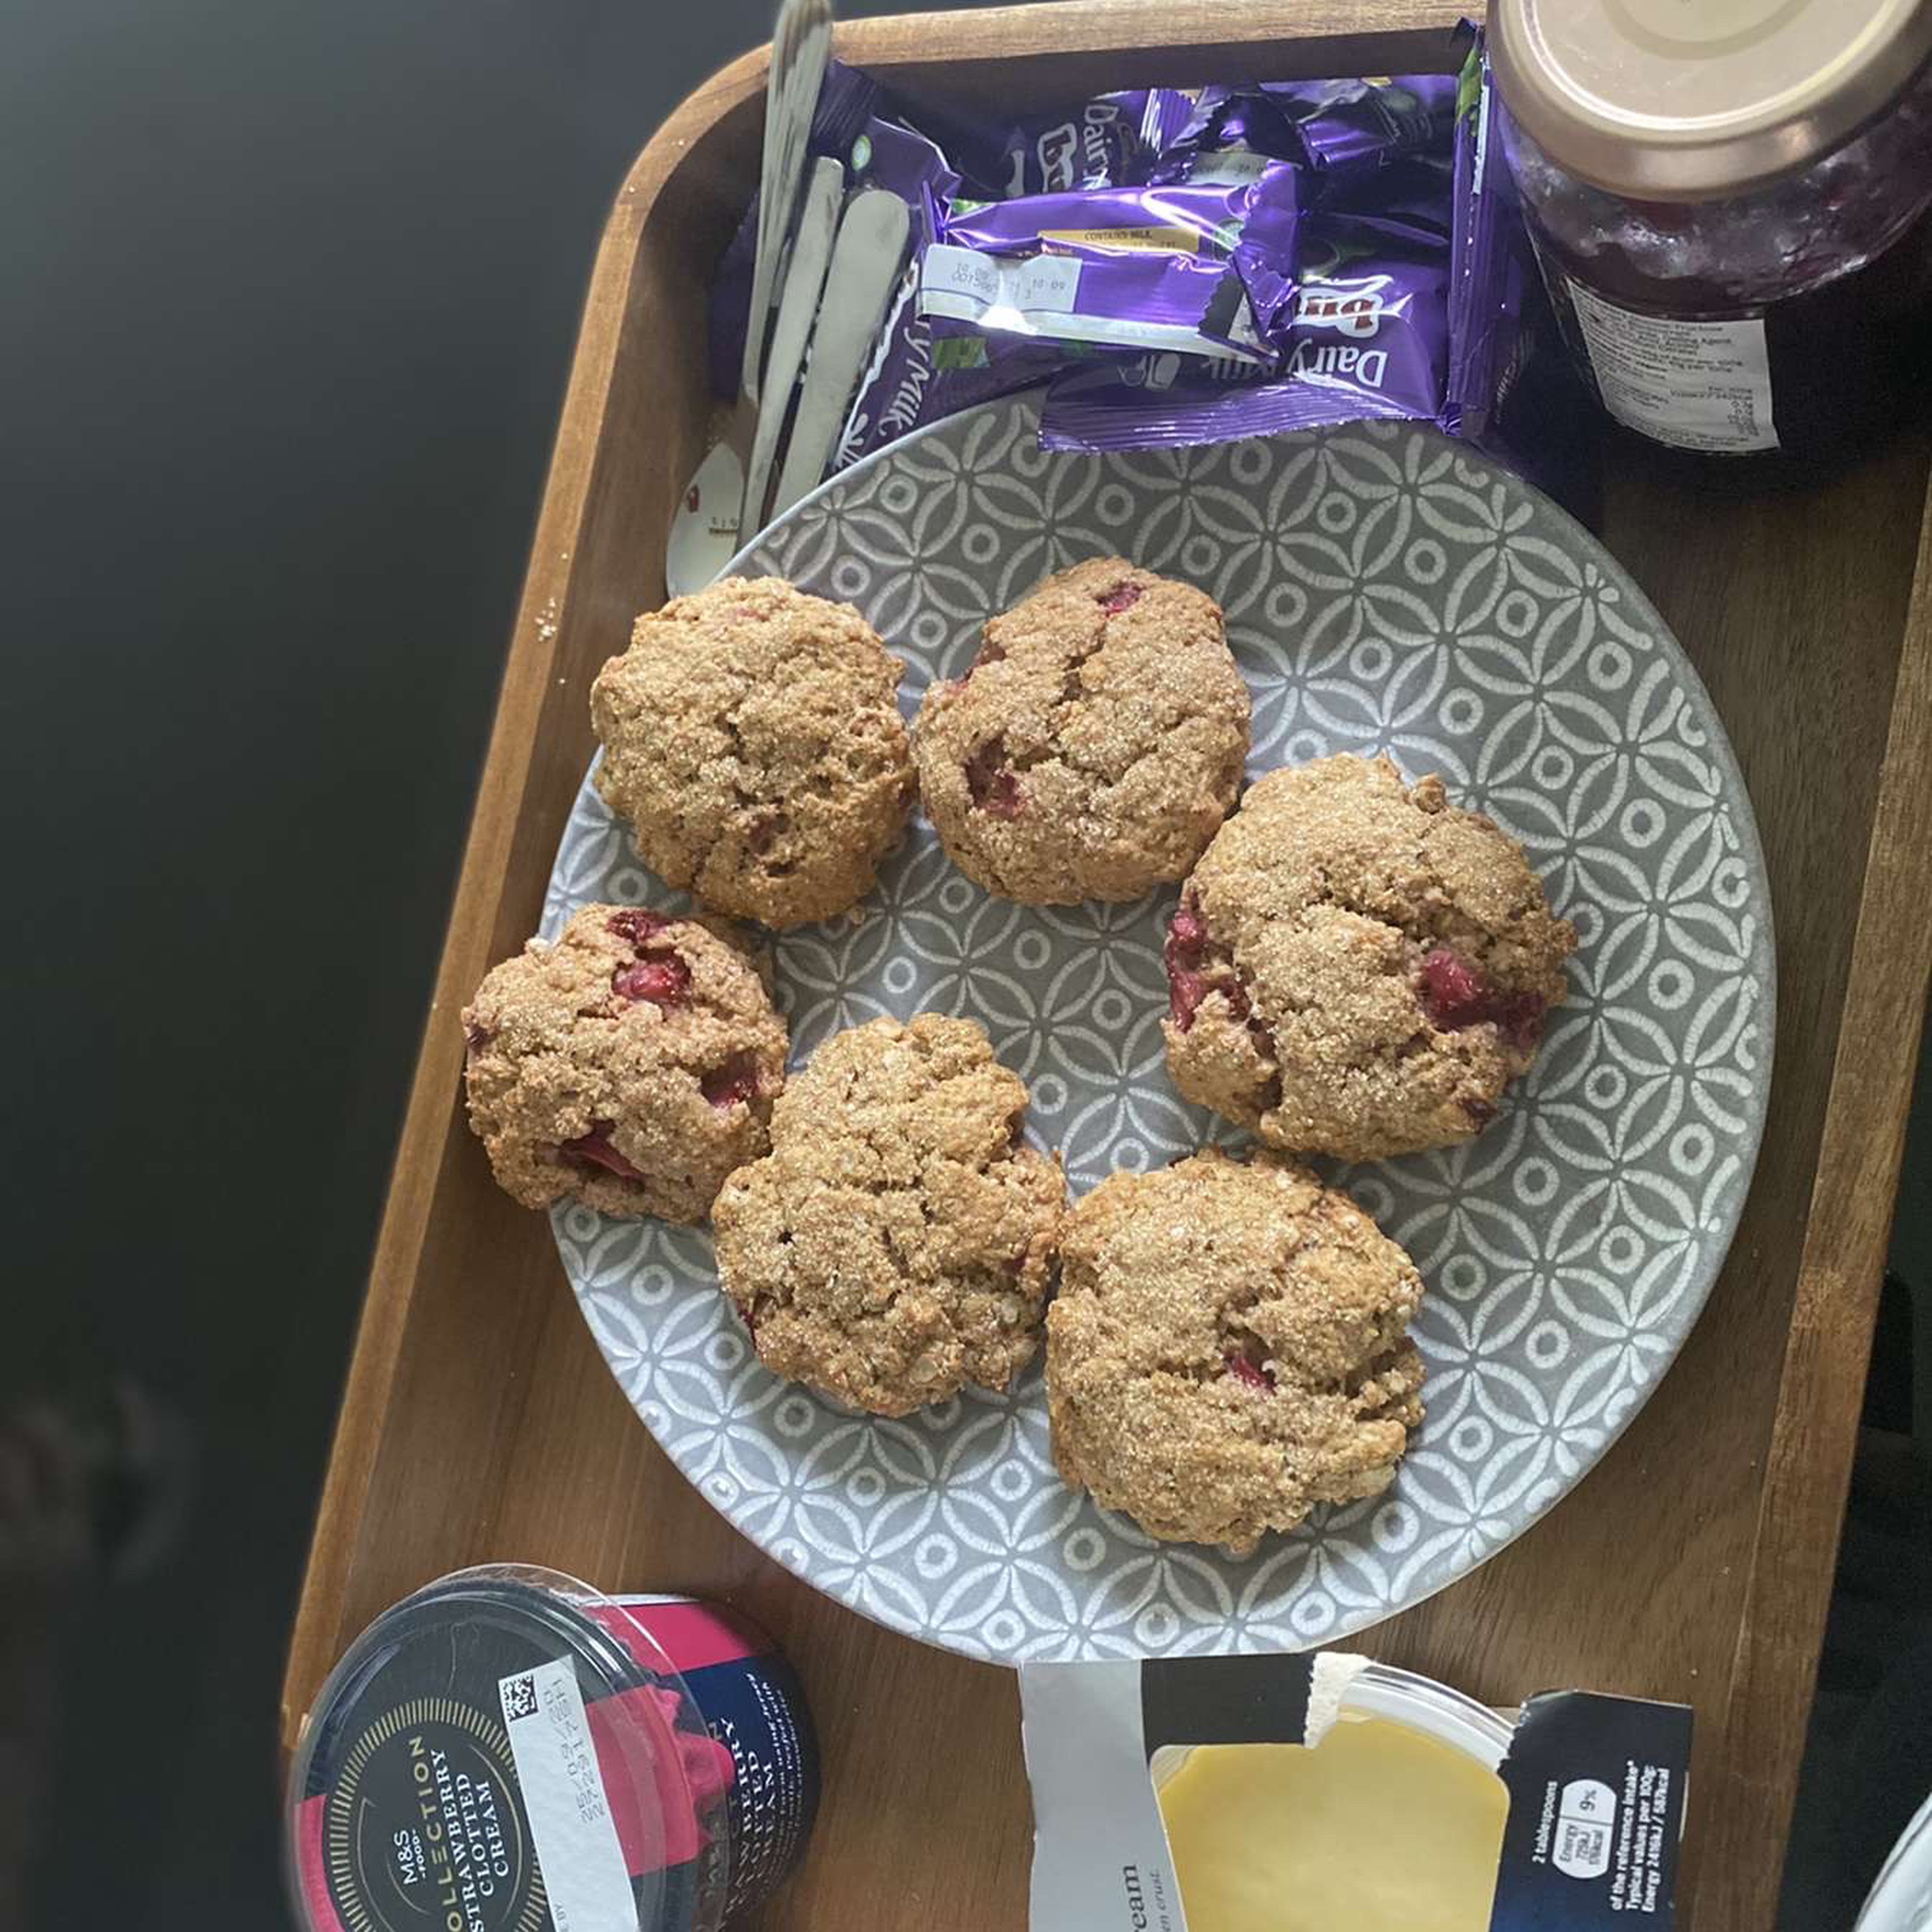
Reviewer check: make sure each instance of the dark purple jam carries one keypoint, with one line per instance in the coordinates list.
(1770, 331)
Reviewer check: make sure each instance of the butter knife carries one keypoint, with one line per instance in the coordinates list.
(865, 262)
(803, 284)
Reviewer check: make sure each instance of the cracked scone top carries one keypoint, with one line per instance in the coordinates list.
(898, 1241)
(752, 739)
(631, 1066)
(1356, 967)
(1229, 1348)
(1095, 744)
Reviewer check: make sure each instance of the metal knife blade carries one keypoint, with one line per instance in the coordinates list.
(801, 50)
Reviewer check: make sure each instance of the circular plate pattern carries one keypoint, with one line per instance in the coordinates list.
(1386, 590)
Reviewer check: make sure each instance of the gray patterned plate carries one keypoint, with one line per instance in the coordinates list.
(1386, 590)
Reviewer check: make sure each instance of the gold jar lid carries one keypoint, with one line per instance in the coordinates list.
(1687, 100)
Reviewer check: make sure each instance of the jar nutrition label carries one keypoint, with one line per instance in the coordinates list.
(1692, 384)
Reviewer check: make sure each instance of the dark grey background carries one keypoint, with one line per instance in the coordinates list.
(289, 298)
(290, 294)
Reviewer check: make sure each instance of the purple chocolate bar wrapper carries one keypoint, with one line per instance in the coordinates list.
(1111, 141)
(1208, 269)
(1410, 200)
(913, 379)
(1344, 132)
(1370, 340)
(1491, 273)
(1361, 127)
(1370, 337)
(1450, 315)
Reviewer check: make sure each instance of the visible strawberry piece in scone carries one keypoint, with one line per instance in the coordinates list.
(1185, 992)
(1186, 949)
(595, 1149)
(732, 1081)
(1453, 993)
(991, 781)
(1120, 598)
(1457, 993)
(661, 977)
(1254, 1374)
(658, 973)
(637, 925)
(1197, 967)
(1186, 933)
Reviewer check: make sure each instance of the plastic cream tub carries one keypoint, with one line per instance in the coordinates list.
(1392, 1822)
(507, 1750)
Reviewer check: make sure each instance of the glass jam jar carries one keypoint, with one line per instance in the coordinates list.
(1729, 199)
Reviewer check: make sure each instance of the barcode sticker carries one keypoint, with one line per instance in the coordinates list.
(576, 1838)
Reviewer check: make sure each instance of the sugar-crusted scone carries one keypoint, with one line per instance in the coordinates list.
(898, 1241)
(752, 739)
(632, 1065)
(1229, 1348)
(1095, 744)
(1356, 967)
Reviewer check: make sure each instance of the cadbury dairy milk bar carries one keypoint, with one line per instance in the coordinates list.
(1201, 270)
(918, 374)
(1112, 138)
(1411, 304)
(1368, 338)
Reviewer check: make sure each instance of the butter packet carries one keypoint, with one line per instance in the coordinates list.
(1303, 1792)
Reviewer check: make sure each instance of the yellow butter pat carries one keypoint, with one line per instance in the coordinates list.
(1379, 1827)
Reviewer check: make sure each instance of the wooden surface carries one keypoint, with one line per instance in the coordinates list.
(479, 1422)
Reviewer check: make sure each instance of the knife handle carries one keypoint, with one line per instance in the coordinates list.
(803, 286)
(866, 262)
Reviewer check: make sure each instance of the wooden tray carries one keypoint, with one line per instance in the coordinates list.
(1695, 1563)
